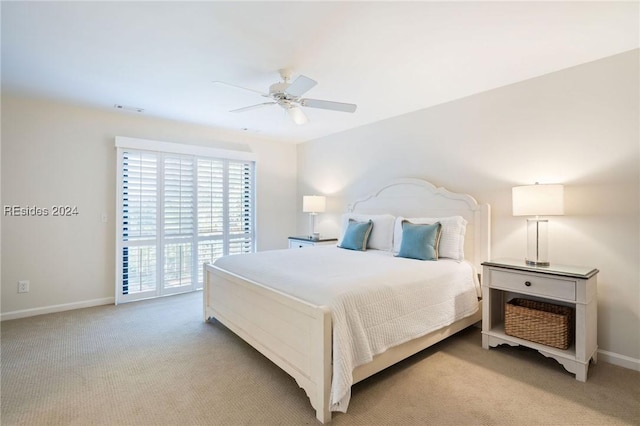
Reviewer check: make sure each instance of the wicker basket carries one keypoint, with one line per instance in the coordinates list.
(539, 322)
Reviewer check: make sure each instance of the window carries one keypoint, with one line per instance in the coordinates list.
(176, 211)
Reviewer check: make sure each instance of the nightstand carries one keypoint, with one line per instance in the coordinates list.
(302, 242)
(573, 286)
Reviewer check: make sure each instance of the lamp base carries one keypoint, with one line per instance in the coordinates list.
(312, 225)
(537, 231)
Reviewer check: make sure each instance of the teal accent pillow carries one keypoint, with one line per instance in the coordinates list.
(420, 241)
(356, 235)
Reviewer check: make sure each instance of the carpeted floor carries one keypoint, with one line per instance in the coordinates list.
(157, 363)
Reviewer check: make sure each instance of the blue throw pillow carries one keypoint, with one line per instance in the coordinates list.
(356, 235)
(420, 241)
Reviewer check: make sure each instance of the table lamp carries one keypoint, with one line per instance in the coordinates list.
(313, 204)
(538, 200)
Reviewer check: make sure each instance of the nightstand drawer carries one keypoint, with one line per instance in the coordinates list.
(300, 244)
(534, 284)
(304, 242)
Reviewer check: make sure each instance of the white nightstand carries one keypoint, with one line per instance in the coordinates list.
(573, 286)
(302, 242)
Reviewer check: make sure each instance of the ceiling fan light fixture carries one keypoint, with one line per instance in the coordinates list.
(289, 97)
(297, 115)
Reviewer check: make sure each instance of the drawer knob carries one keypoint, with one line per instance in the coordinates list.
(527, 283)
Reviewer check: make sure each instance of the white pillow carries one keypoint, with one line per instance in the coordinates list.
(451, 237)
(381, 237)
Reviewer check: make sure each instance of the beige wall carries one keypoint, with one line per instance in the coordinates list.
(54, 153)
(578, 127)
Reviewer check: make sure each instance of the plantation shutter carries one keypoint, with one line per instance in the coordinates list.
(177, 212)
(240, 208)
(139, 221)
(212, 219)
(179, 221)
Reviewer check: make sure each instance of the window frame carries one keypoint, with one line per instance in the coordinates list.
(162, 150)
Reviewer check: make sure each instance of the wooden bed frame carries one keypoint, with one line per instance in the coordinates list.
(296, 335)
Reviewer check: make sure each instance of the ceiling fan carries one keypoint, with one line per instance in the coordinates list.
(288, 96)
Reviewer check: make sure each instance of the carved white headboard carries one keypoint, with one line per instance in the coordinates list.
(419, 198)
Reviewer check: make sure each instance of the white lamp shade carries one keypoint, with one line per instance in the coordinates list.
(313, 203)
(538, 200)
(297, 115)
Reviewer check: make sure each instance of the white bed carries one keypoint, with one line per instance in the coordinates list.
(320, 331)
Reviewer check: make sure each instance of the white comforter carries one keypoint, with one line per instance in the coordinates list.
(377, 300)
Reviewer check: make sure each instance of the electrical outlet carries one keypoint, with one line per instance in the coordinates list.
(23, 286)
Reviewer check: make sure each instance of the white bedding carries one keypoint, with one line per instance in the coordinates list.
(377, 300)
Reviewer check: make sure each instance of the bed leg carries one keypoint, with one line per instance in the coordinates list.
(323, 415)
(323, 365)
(205, 293)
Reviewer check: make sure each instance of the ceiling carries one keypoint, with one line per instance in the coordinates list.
(389, 58)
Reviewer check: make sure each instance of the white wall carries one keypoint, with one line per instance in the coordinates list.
(578, 127)
(55, 153)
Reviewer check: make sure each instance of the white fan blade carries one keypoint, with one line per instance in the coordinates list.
(248, 108)
(300, 86)
(266, 95)
(297, 115)
(334, 106)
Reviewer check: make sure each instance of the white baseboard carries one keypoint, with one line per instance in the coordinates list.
(619, 360)
(56, 308)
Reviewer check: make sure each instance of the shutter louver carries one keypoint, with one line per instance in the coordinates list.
(139, 222)
(178, 265)
(139, 188)
(240, 207)
(140, 269)
(208, 251)
(210, 197)
(178, 197)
